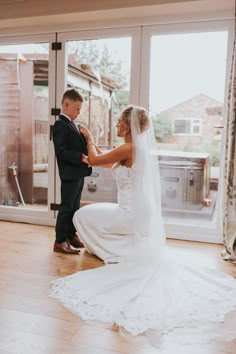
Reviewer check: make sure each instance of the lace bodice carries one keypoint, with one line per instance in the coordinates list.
(124, 176)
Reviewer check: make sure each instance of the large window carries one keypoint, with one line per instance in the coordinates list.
(175, 71)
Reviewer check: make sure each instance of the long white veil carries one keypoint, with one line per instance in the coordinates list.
(147, 187)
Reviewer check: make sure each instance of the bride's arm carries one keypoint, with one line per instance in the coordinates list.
(99, 152)
(105, 159)
(98, 158)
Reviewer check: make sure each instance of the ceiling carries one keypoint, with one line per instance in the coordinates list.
(10, 9)
(42, 16)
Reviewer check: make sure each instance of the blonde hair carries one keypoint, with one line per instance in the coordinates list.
(142, 116)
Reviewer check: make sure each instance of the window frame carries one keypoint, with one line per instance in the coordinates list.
(192, 125)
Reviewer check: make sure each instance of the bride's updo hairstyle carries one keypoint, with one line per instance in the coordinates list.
(141, 116)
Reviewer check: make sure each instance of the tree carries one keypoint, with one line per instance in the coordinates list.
(106, 66)
(96, 54)
(163, 128)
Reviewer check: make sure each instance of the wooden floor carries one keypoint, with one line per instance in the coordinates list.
(32, 322)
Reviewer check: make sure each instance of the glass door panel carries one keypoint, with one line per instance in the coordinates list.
(24, 125)
(186, 101)
(101, 71)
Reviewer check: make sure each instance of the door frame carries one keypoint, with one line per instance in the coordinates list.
(63, 37)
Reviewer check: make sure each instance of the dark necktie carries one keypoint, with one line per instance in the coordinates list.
(77, 129)
(75, 126)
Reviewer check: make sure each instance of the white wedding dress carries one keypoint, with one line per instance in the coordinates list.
(106, 228)
(145, 289)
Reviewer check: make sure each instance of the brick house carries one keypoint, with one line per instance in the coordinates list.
(193, 124)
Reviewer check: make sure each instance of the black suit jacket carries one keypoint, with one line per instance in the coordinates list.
(69, 146)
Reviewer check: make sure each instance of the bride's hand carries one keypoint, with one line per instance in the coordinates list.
(85, 159)
(86, 133)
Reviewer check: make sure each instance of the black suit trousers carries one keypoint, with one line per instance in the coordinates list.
(70, 202)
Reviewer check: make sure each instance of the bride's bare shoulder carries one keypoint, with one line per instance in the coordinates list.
(127, 146)
(125, 150)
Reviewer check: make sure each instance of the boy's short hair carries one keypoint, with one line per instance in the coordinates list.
(73, 95)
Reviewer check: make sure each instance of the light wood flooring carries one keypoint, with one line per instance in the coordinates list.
(32, 322)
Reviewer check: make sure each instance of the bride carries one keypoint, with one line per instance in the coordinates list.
(141, 288)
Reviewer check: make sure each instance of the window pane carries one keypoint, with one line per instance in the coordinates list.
(100, 69)
(24, 125)
(182, 126)
(187, 85)
(196, 129)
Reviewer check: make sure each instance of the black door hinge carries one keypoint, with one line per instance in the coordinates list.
(51, 132)
(54, 206)
(55, 111)
(56, 46)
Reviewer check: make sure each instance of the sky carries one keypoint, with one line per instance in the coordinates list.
(184, 65)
